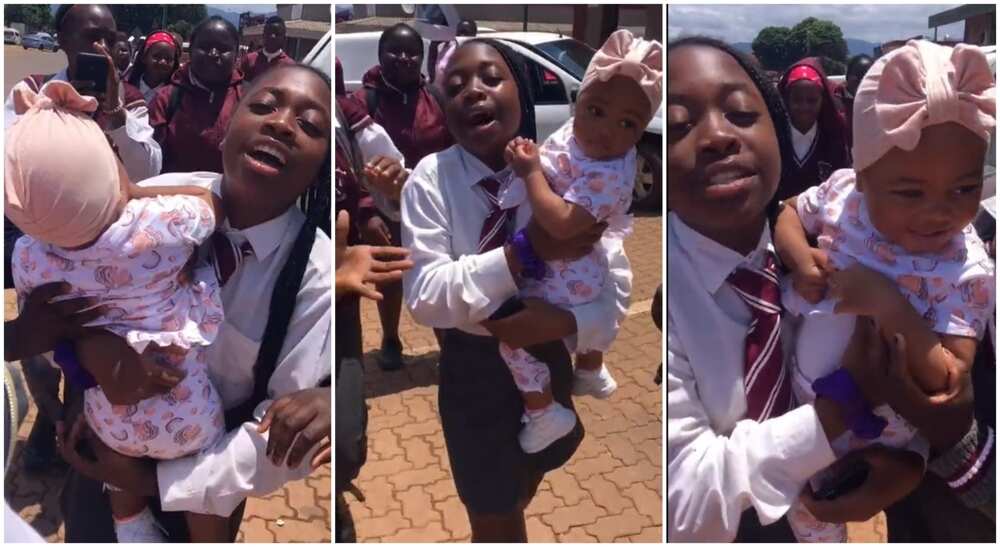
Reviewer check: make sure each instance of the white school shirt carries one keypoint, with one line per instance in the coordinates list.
(140, 153)
(373, 140)
(148, 93)
(803, 142)
(719, 464)
(450, 286)
(216, 480)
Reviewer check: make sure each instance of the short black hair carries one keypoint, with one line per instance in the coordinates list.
(274, 20)
(63, 10)
(856, 61)
(121, 37)
(775, 106)
(467, 24)
(205, 23)
(394, 30)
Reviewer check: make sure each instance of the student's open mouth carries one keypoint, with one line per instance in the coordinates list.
(481, 118)
(267, 159)
(726, 182)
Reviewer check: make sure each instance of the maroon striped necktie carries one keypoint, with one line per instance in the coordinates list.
(228, 256)
(494, 231)
(768, 386)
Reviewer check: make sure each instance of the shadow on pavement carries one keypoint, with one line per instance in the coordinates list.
(419, 371)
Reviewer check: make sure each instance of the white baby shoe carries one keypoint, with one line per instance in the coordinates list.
(543, 429)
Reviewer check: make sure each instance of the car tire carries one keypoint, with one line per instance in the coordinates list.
(648, 191)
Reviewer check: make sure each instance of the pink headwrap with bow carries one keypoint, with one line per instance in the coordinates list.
(916, 86)
(62, 180)
(625, 55)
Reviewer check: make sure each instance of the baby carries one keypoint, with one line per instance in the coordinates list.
(581, 176)
(895, 244)
(87, 225)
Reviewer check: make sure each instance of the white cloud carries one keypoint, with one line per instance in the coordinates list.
(741, 23)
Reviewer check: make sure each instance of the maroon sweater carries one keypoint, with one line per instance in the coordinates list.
(190, 136)
(412, 119)
(256, 63)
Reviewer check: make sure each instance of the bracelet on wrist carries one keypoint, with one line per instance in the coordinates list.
(65, 356)
(841, 388)
(532, 267)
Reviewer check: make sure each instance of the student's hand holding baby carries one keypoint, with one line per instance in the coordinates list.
(862, 291)
(809, 275)
(522, 155)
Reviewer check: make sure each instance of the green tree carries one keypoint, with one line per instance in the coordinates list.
(181, 27)
(771, 47)
(817, 38)
(151, 17)
(34, 16)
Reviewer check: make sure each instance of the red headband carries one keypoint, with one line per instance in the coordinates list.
(804, 72)
(164, 37)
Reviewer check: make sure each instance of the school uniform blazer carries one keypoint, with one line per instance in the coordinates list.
(256, 63)
(138, 150)
(217, 479)
(718, 463)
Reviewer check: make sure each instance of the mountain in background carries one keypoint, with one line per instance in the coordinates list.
(854, 47)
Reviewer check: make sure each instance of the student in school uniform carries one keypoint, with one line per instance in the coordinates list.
(271, 360)
(191, 113)
(123, 115)
(158, 58)
(273, 54)
(818, 129)
(738, 455)
(461, 280)
(397, 97)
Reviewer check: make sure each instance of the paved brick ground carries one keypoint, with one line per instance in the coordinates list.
(611, 489)
(299, 512)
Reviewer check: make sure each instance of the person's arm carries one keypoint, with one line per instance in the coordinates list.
(863, 291)
(42, 323)
(713, 477)
(968, 466)
(557, 216)
(440, 291)
(205, 194)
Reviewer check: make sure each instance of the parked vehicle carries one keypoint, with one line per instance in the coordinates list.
(40, 40)
(558, 63)
(11, 36)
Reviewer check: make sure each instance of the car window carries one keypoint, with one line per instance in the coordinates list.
(573, 56)
(548, 87)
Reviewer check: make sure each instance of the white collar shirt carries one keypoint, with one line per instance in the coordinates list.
(718, 463)
(450, 285)
(217, 479)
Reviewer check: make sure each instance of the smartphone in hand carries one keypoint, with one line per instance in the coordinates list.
(91, 67)
(851, 478)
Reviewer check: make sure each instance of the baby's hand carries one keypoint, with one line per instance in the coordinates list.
(862, 291)
(522, 155)
(809, 278)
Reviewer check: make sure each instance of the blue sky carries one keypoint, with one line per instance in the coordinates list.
(873, 23)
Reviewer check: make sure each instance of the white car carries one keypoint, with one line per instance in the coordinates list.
(558, 63)
(11, 36)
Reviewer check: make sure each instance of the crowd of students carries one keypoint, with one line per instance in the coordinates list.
(255, 146)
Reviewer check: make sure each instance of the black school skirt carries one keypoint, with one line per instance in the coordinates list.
(481, 411)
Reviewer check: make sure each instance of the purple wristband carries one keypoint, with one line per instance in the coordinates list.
(532, 267)
(840, 388)
(65, 356)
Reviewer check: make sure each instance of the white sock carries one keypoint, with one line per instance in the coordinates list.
(139, 528)
(590, 373)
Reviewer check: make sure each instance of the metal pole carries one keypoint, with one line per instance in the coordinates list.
(163, 20)
(524, 25)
